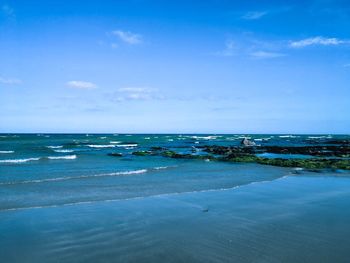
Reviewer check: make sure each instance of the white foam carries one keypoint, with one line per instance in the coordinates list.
(6, 151)
(141, 171)
(211, 137)
(162, 167)
(63, 151)
(262, 139)
(101, 146)
(19, 160)
(115, 142)
(126, 145)
(288, 136)
(66, 157)
(55, 147)
(124, 173)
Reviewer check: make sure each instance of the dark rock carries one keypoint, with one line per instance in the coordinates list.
(157, 148)
(115, 154)
(314, 150)
(143, 153)
(248, 155)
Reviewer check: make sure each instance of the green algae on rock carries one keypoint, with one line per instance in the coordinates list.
(248, 155)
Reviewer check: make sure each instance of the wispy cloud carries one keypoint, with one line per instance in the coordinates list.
(78, 84)
(266, 55)
(251, 48)
(10, 81)
(229, 50)
(137, 93)
(114, 45)
(319, 40)
(128, 37)
(136, 89)
(8, 11)
(254, 15)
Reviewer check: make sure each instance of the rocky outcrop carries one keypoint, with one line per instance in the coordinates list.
(249, 155)
(245, 142)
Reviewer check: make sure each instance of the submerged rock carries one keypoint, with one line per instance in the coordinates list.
(158, 148)
(115, 154)
(143, 153)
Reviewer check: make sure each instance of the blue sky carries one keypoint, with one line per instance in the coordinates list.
(175, 66)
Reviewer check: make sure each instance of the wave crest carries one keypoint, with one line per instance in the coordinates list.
(141, 171)
(64, 151)
(101, 146)
(19, 160)
(54, 147)
(66, 157)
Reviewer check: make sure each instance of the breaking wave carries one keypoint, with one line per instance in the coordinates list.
(63, 151)
(66, 157)
(19, 160)
(101, 146)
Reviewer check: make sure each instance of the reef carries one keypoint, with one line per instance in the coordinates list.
(319, 150)
(329, 157)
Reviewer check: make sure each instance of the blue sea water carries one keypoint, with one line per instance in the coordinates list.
(64, 199)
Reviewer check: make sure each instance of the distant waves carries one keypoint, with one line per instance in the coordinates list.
(25, 160)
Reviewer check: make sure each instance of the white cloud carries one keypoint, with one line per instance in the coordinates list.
(10, 81)
(322, 41)
(128, 37)
(266, 55)
(254, 15)
(136, 89)
(138, 93)
(81, 84)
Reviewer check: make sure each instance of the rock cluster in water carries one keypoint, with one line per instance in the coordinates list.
(333, 155)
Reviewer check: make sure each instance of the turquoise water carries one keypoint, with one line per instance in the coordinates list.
(63, 199)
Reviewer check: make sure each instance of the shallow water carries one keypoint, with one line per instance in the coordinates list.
(100, 208)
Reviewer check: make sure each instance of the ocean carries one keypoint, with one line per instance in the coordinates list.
(90, 198)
